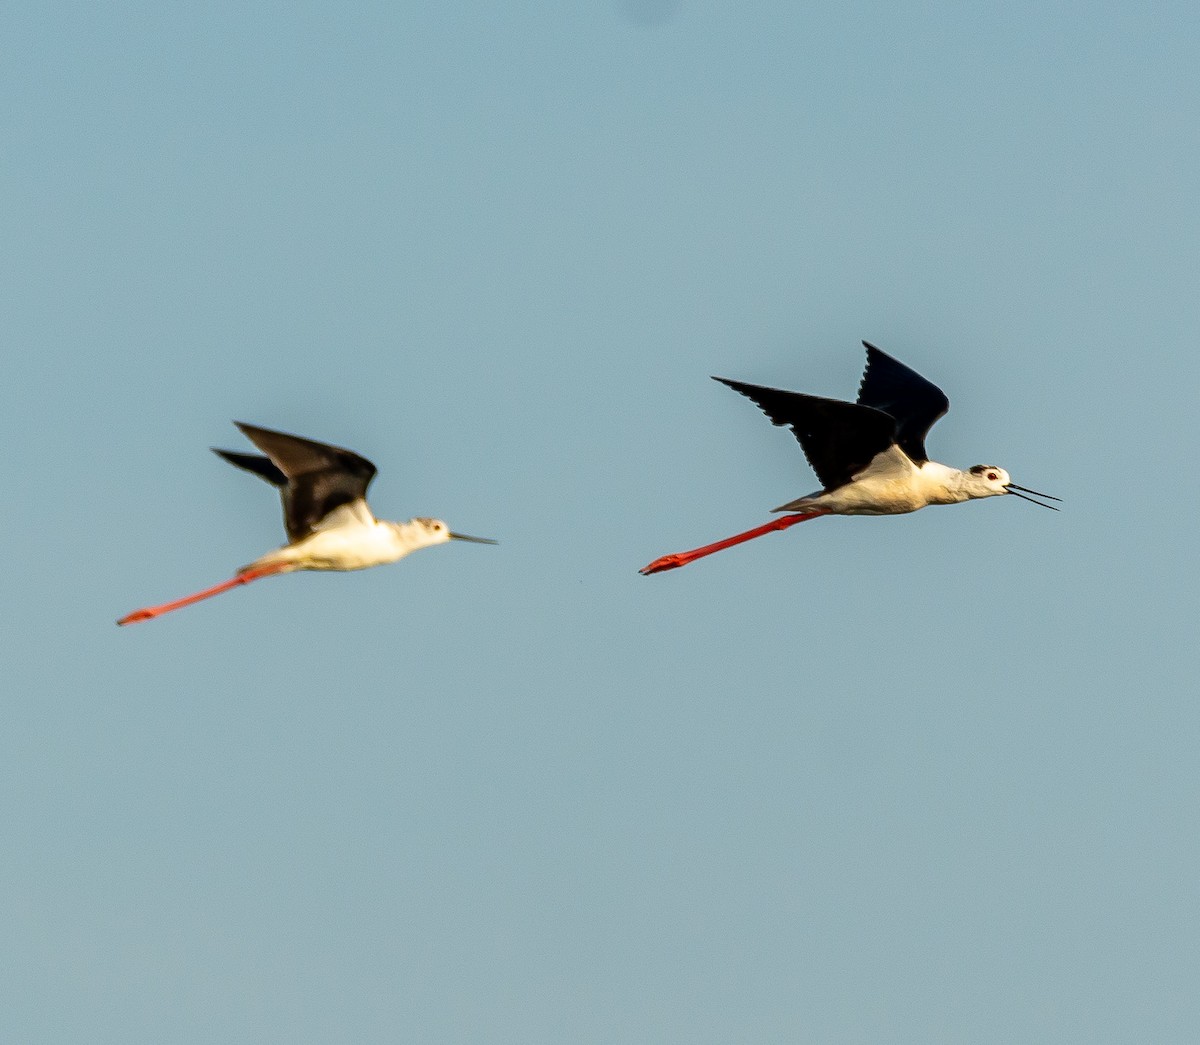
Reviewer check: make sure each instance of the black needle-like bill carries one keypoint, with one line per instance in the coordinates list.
(1021, 491)
(839, 439)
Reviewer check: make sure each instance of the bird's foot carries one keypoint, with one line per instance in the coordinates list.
(666, 562)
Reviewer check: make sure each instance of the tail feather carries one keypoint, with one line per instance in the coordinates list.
(800, 504)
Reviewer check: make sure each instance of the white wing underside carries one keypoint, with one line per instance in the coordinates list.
(888, 466)
(890, 485)
(352, 514)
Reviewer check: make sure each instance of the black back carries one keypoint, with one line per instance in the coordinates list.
(915, 403)
(315, 478)
(839, 439)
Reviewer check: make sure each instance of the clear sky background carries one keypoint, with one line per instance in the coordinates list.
(924, 779)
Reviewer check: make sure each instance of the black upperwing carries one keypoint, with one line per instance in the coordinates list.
(839, 439)
(315, 478)
(255, 463)
(914, 402)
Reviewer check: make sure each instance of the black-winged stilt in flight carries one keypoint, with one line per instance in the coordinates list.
(325, 513)
(869, 456)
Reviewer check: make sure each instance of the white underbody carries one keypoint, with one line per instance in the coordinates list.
(349, 538)
(890, 485)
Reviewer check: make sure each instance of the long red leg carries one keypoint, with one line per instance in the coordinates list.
(671, 562)
(150, 612)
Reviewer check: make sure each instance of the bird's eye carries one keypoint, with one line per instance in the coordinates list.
(992, 476)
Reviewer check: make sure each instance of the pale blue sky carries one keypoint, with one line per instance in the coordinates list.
(924, 779)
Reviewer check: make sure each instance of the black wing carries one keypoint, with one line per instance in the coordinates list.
(839, 439)
(315, 478)
(259, 465)
(915, 403)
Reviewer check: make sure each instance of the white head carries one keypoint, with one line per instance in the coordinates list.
(986, 480)
(433, 531)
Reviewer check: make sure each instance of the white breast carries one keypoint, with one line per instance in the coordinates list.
(345, 541)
